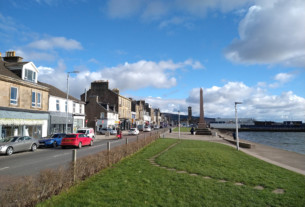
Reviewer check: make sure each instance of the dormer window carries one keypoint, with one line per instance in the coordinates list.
(29, 75)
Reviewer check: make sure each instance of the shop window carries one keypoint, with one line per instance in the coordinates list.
(14, 96)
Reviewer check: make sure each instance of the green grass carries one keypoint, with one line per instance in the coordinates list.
(135, 182)
(182, 129)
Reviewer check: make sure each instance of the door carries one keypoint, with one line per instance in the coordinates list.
(20, 144)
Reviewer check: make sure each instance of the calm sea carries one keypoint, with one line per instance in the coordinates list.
(291, 141)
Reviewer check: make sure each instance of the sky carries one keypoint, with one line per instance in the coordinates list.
(164, 51)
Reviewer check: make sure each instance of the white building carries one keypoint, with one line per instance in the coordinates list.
(58, 107)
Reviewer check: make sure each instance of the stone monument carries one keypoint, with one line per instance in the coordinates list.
(202, 126)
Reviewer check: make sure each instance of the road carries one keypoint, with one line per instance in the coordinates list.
(31, 163)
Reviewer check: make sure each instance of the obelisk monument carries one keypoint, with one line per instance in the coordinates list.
(202, 126)
(201, 123)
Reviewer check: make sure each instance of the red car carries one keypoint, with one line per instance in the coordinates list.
(76, 140)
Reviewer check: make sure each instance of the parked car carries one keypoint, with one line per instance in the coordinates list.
(140, 127)
(53, 140)
(76, 140)
(133, 131)
(17, 144)
(111, 131)
(147, 129)
(88, 131)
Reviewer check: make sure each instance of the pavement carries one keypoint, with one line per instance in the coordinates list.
(286, 159)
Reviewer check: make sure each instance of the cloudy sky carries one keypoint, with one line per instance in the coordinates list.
(164, 51)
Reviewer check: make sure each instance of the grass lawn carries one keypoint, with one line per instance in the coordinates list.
(136, 182)
(182, 129)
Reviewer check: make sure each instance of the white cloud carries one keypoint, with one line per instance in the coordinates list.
(272, 32)
(257, 103)
(219, 102)
(32, 55)
(284, 77)
(281, 79)
(160, 8)
(123, 8)
(45, 70)
(56, 42)
(132, 76)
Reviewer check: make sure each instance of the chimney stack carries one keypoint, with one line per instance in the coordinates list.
(10, 57)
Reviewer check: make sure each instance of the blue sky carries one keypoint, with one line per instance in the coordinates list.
(164, 51)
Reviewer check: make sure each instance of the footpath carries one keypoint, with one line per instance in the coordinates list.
(289, 160)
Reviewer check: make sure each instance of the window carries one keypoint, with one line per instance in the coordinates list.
(57, 105)
(29, 75)
(33, 99)
(73, 107)
(36, 99)
(39, 100)
(80, 108)
(14, 95)
(66, 106)
(102, 115)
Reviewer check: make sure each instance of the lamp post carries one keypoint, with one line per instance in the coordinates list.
(179, 122)
(67, 106)
(236, 124)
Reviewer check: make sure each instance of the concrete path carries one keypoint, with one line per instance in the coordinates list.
(282, 158)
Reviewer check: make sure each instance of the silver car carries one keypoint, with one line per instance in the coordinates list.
(17, 144)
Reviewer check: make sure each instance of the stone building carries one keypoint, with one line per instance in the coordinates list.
(121, 104)
(23, 101)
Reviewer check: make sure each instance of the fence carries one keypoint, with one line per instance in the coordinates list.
(30, 190)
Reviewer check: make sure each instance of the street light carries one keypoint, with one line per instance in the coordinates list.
(179, 122)
(236, 124)
(67, 109)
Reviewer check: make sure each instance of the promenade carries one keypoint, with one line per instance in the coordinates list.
(286, 159)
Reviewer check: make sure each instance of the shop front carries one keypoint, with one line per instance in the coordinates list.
(23, 123)
(58, 122)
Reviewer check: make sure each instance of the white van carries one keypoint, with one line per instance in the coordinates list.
(88, 131)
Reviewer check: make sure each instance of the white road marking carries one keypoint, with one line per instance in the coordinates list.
(4, 168)
(61, 155)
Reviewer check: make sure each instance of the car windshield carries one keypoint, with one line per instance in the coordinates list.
(132, 129)
(9, 139)
(81, 131)
(70, 136)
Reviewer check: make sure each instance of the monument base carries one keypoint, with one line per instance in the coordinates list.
(203, 131)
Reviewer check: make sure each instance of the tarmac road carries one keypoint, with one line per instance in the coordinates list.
(31, 163)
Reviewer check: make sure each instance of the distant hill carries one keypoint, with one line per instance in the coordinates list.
(174, 117)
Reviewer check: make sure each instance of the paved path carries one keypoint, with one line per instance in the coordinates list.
(285, 159)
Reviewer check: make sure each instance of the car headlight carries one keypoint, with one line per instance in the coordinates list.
(3, 147)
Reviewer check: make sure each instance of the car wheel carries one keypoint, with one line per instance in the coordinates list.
(79, 145)
(9, 151)
(54, 144)
(91, 143)
(34, 147)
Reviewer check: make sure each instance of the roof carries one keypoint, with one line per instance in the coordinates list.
(7, 72)
(11, 64)
(56, 92)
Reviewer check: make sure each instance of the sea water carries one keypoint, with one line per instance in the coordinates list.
(291, 141)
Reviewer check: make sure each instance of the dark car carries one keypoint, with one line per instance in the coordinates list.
(17, 144)
(53, 140)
